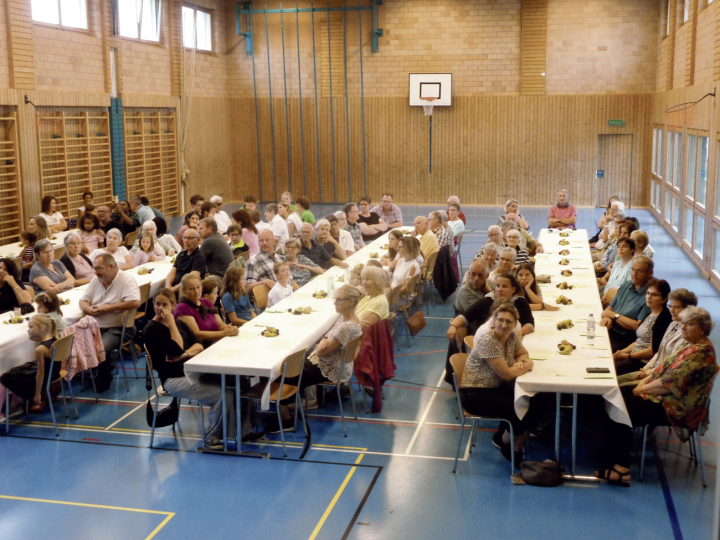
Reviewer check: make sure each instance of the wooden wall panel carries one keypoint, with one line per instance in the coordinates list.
(533, 47)
(20, 44)
(691, 47)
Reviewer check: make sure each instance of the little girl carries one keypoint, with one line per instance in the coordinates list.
(28, 240)
(149, 251)
(92, 236)
(235, 299)
(284, 286)
(48, 304)
(210, 288)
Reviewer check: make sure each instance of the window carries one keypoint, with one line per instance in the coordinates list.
(676, 213)
(702, 166)
(668, 207)
(660, 148)
(677, 175)
(197, 30)
(716, 261)
(71, 13)
(699, 235)
(674, 158)
(691, 166)
(653, 189)
(686, 10)
(140, 19)
(688, 236)
(670, 156)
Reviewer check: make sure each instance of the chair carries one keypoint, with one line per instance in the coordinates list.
(160, 392)
(292, 366)
(128, 318)
(31, 290)
(59, 352)
(59, 252)
(469, 342)
(144, 296)
(245, 255)
(130, 239)
(260, 297)
(458, 363)
(407, 302)
(457, 254)
(350, 351)
(426, 275)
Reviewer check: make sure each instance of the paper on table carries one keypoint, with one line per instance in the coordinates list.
(598, 376)
(230, 354)
(594, 346)
(281, 343)
(545, 317)
(544, 333)
(548, 373)
(580, 268)
(586, 306)
(542, 355)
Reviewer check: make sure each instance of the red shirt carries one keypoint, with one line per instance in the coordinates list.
(462, 217)
(556, 212)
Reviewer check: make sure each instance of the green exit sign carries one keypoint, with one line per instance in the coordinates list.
(620, 123)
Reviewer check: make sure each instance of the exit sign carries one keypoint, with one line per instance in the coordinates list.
(620, 123)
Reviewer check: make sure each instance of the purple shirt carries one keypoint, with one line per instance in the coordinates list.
(562, 213)
(207, 325)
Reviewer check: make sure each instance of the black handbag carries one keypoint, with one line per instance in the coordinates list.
(26, 308)
(546, 473)
(165, 417)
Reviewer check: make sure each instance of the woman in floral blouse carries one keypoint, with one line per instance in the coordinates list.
(676, 392)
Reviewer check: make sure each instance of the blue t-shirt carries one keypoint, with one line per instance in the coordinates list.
(241, 306)
(630, 302)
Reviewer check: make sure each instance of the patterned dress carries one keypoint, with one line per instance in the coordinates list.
(478, 373)
(644, 334)
(344, 332)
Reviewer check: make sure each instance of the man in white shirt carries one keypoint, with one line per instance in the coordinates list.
(277, 226)
(108, 295)
(221, 218)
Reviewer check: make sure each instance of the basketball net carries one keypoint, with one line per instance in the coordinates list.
(428, 107)
(680, 116)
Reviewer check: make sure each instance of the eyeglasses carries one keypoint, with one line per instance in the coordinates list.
(190, 237)
(47, 252)
(337, 299)
(97, 269)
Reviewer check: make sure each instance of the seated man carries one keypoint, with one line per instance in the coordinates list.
(286, 197)
(353, 225)
(562, 215)
(428, 240)
(196, 201)
(110, 293)
(188, 261)
(474, 288)
(143, 212)
(338, 232)
(256, 218)
(444, 235)
(388, 212)
(326, 240)
(629, 308)
(277, 225)
(259, 269)
(105, 221)
(316, 252)
(495, 236)
(221, 218)
(453, 199)
(214, 248)
(371, 224)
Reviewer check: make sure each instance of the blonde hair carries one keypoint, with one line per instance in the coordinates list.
(46, 323)
(232, 282)
(351, 293)
(152, 242)
(377, 275)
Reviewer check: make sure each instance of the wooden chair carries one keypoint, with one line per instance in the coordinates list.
(260, 297)
(130, 239)
(458, 363)
(128, 318)
(457, 254)
(245, 255)
(144, 297)
(349, 352)
(469, 341)
(406, 303)
(427, 276)
(59, 252)
(292, 366)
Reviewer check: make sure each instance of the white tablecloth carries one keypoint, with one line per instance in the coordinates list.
(567, 373)
(14, 250)
(252, 354)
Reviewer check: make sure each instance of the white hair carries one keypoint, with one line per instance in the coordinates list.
(443, 215)
(115, 232)
(340, 214)
(491, 228)
(149, 227)
(453, 199)
(71, 236)
(619, 206)
(509, 251)
(215, 199)
(565, 191)
(322, 223)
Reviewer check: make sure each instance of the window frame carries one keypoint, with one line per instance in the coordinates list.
(60, 25)
(140, 39)
(209, 13)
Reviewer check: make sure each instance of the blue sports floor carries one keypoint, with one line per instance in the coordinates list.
(391, 478)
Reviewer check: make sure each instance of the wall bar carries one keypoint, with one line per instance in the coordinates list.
(302, 125)
(287, 117)
(272, 122)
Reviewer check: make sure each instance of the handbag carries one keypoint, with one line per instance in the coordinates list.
(416, 323)
(26, 308)
(165, 417)
(546, 473)
(543, 278)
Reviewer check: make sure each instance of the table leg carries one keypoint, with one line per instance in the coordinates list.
(574, 432)
(224, 412)
(238, 432)
(557, 427)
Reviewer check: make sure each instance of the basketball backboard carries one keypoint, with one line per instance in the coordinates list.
(431, 85)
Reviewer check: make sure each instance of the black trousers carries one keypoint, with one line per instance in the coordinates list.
(498, 403)
(618, 437)
(620, 341)
(625, 366)
(21, 380)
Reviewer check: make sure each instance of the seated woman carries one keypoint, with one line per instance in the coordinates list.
(456, 223)
(390, 260)
(303, 208)
(27, 239)
(54, 219)
(505, 265)
(75, 261)
(122, 256)
(165, 240)
(511, 207)
(149, 227)
(12, 293)
(200, 315)
(322, 365)
(171, 343)
(38, 226)
(149, 250)
(87, 198)
(526, 278)
(30, 379)
(603, 219)
(620, 272)
(249, 232)
(675, 393)
(302, 269)
(48, 304)
(374, 306)
(235, 299)
(634, 356)
(123, 214)
(642, 243)
(487, 386)
(47, 274)
(490, 254)
(406, 264)
(513, 238)
(663, 345)
(192, 219)
(93, 237)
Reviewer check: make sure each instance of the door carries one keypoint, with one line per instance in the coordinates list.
(614, 165)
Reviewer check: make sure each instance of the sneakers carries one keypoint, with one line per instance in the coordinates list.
(272, 426)
(252, 437)
(214, 444)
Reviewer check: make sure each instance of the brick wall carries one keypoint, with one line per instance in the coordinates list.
(598, 46)
(211, 73)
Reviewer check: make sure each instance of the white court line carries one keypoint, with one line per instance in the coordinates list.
(116, 422)
(422, 419)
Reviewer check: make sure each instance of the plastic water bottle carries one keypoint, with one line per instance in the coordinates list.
(591, 327)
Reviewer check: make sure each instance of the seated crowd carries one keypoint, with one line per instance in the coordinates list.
(659, 337)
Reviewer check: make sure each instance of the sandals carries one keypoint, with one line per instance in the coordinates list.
(38, 407)
(605, 475)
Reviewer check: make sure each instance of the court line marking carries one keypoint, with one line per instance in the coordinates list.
(424, 416)
(335, 499)
(116, 422)
(168, 515)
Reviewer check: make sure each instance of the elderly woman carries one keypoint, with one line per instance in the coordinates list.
(617, 208)
(642, 243)
(123, 258)
(506, 264)
(603, 219)
(495, 236)
(38, 226)
(676, 392)
(150, 228)
(12, 293)
(634, 356)
(456, 223)
(54, 219)
(47, 274)
(513, 238)
(200, 315)
(374, 307)
(487, 386)
(77, 263)
(171, 343)
(249, 233)
(406, 264)
(302, 269)
(325, 239)
(323, 364)
(511, 207)
(490, 254)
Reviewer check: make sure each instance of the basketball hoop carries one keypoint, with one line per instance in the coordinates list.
(428, 107)
(681, 116)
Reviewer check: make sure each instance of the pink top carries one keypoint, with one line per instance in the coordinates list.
(251, 239)
(562, 213)
(142, 257)
(92, 240)
(82, 269)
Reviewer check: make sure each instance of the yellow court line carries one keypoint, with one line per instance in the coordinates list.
(157, 529)
(20, 423)
(335, 499)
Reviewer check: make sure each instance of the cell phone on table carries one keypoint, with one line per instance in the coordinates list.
(597, 370)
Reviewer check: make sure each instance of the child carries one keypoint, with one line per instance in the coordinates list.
(235, 299)
(236, 242)
(284, 286)
(191, 222)
(210, 288)
(48, 304)
(28, 240)
(149, 251)
(92, 236)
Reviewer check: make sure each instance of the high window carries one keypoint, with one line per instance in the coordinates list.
(197, 29)
(70, 13)
(140, 19)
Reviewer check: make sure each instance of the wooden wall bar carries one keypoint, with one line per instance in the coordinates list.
(485, 148)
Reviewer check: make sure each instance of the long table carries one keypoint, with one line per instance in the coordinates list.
(13, 251)
(558, 373)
